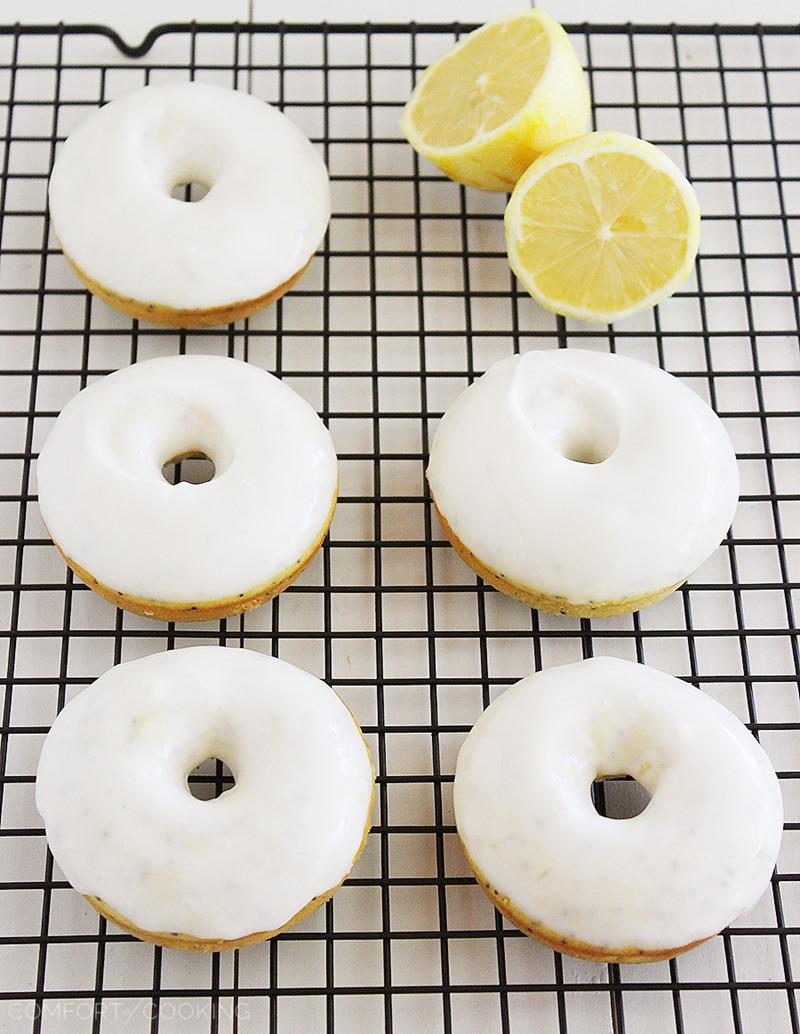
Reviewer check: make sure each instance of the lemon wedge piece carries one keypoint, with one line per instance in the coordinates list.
(602, 227)
(500, 97)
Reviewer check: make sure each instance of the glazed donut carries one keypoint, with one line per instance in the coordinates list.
(159, 259)
(582, 483)
(628, 890)
(205, 875)
(187, 552)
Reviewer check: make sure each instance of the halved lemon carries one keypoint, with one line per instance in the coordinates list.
(502, 95)
(602, 227)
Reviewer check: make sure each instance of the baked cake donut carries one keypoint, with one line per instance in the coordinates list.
(616, 890)
(205, 875)
(582, 483)
(188, 552)
(159, 259)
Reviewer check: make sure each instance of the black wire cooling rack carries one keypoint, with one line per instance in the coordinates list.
(409, 299)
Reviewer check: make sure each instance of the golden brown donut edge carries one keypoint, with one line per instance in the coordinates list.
(542, 601)
(567, 945)
(185, 319)
(210, 610)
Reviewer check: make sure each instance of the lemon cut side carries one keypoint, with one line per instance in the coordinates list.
(499, 98)
(602, 227)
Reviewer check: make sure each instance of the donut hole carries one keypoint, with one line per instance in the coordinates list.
(619, 797)
(574, 416)
(585, 451)
(194, 469)
(191, 191)
(210, 779)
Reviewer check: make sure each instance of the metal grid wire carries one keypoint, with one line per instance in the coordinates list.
(409, 299)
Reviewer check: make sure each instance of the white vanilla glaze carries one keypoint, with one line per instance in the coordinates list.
(652, 498)
(124, 827)
(265, 213)
(698, 856)
(106, 503)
